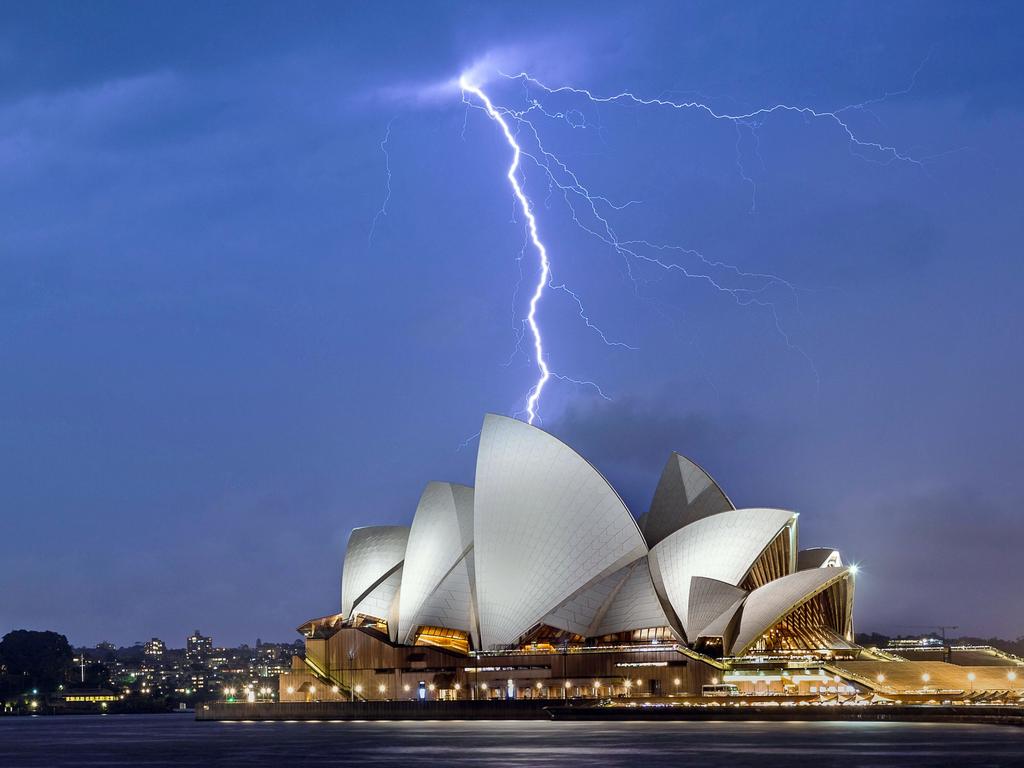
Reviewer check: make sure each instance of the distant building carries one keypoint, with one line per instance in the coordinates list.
(154, 648)
(198, 648)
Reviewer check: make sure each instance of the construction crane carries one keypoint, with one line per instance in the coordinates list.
(947, 651)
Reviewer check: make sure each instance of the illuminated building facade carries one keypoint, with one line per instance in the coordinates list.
(198, 648)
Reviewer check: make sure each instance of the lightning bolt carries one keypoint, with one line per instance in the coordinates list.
(531, 224)
(383, 210)
(591, 211)
(889, 152)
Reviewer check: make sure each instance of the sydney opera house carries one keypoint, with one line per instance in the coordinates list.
(539, 582)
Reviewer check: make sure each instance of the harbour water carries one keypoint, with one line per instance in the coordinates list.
(178, 740)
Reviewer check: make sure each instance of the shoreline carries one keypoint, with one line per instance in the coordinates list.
(527, 710)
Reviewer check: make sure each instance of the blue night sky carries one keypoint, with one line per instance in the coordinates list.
(211, 372)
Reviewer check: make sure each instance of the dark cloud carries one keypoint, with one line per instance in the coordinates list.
(629, 439)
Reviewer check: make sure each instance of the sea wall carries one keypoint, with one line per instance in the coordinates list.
(375, 710)
(541, 710)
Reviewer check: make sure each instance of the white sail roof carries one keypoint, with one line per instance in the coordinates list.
(722, 547)
(441, 534)
(450, 604)
(546, 524)
(685, 494)
(372, 554)
(635, 605)
(381, 602)
(768, 605)
(581, 612)
(709, 599)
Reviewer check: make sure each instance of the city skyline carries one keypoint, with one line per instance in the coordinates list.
(262, 279)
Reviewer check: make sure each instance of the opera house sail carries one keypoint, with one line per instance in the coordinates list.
(539, 581)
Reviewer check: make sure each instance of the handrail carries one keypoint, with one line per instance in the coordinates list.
(328, 678)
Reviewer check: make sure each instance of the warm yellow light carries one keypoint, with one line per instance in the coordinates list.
(881, 677)
(359, 689)
(568, 684)
(334, 689)
(380, 688)
(431, 687)
(677, 682)
(1011, 676)
(597, 684)
(639, 682)
(539, 686)
(312, 689)
(291, 689)
(628, 683)
(926, 677)
(405, 687)
(484, 686)
(714, 681)
(457, 687)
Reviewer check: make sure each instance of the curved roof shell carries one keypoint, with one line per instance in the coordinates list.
(818, 557)
(723, 547)
(440, 536)
(372, 554)
(451, 603)
(635, 605)
(581, 613)
(621, 602)
(685, 494)
(546, 524)
(381, 602)
(709, 600)
(767, 606)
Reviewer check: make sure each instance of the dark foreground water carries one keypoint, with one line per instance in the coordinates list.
(175, 740)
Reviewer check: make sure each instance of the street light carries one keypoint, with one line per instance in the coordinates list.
(971, 678)
(880, 678)
(380, 689)
(1011, 676)
(924, 679)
